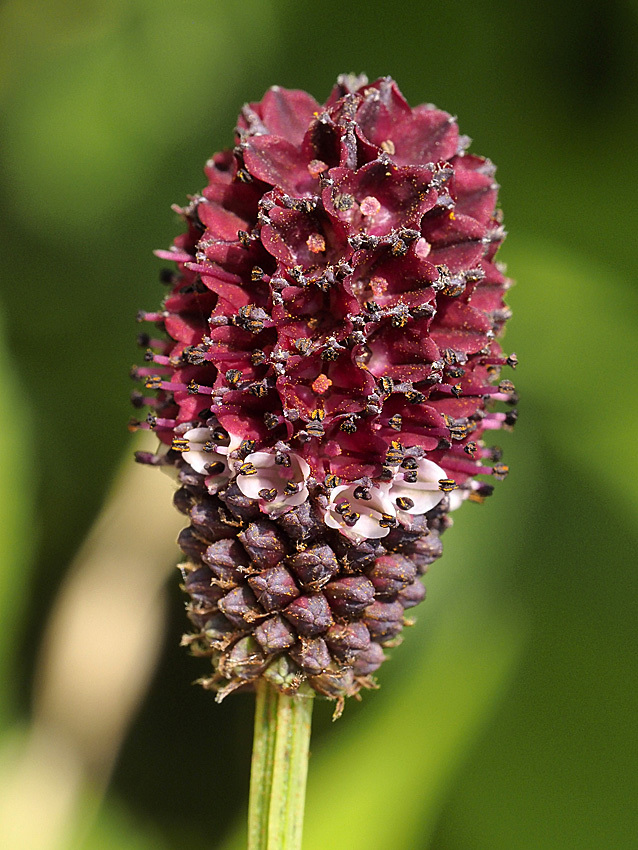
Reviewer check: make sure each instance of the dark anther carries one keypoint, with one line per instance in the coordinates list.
(371, 307)
(152, 421)
(303, 345)
(404, 504)
(243, 176)
(386, 385)
(457, 390)
(512, 360)
(192, 388)
(399, 249)
(258, 357)
(387, 474)
(243, 237)
(447, 485)
(247, 469)
(506, 387)
(209, 446)
(330, 352)
(470, 449)
(343, 202)
(233, 376)
(362, 493)
(282, 459)
(414, 397)
(271, 421)
(395, 453)
(246, 447)
(268, 495)
(318, 414)
(387, 521)
(291, 488)
(455, 371)
(332, 481)
(443, 445)
(179, 445)
(409, 463)
(167, 276)
(343, 507)
(143, 340)
(510, 417)
(315, 429)
(420, 311)
(351, 518)
(153, 382)
(195, 354)
(410, 477)
(349, 426)
(500, 471)
(259, 389)
(137, 399)
(215, 468)
(205, 413)
(256, 274)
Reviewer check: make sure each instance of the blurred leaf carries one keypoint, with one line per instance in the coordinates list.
(105, 105)
(16, 521)
(575, 324)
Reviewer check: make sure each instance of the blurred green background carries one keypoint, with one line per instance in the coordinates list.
(507, 720)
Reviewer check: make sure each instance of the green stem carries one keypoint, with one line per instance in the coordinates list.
(279, 768)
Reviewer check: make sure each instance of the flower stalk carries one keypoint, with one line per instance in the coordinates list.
(279, 768)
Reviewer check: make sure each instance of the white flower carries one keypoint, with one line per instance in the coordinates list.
(207, 457)
(416, 490)
(360, 518)
(279, 486)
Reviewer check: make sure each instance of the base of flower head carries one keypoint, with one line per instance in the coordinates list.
(292, 599)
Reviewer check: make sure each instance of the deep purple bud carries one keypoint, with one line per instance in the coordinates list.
(348, 597)
(190, 544)
(225, 557)
(384, 619)
(245, 660)
(240, 506)
(312, 655)
(264, 543)
(184, 500)
(239, 606)
(216, 628)
(302, 522)
(314, 567)
(274, 588)
(274, 635)
(425, 551)
(390, 574)
(369, 660)
(198, 586)
(344, 639)
(412, 594)
(358, 556)
(310, 615)
(207, 522)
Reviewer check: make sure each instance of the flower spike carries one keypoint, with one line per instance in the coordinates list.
(321, 376)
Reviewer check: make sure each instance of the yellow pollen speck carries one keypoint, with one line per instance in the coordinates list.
(321, 384)
(452, 216)
(316, 243)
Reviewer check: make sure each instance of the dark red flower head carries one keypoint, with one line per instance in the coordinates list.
(330, 355)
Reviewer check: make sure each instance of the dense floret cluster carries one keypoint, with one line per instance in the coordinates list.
(328, 365)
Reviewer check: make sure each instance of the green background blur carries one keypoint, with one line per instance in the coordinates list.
(507, 720)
